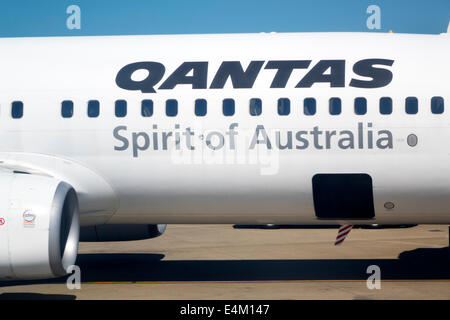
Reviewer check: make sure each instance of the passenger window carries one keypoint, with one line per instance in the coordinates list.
(385, 105)
(228, 107)
(255, 107)
(200, 107)
(17, 109)
(309, 106)
(335, 106)
(67, 109)
(146, 108)
(360, 106)
(411, 105)
(437, 105)
(121, 108)
(171, 107)
(284, 106)
(93, 108)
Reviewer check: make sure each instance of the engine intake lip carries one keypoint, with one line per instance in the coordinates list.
(64, 231)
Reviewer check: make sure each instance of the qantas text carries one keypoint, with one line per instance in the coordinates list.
(370, 73)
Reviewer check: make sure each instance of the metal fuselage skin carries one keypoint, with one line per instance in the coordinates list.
(136, 169)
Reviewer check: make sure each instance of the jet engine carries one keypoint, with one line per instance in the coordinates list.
(39, 226)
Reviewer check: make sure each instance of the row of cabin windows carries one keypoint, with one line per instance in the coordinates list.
(255, 107)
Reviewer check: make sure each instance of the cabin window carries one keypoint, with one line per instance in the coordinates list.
(200, 107)
(255, 107)
(309, 106)
(17, 109)
(228, 107)
(146, 108)
(437, 105)
(171, 107)
(284, 106)
(335, 106)
(385, 105)
(411, 105)
(67, 109)
(121, 108)
(93, 108)
(360, 106)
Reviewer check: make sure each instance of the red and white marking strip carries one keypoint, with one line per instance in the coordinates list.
(342, 233)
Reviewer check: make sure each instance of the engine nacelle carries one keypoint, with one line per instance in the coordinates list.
(39, 226)
(121, 232)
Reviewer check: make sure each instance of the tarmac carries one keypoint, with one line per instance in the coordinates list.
(253, 262)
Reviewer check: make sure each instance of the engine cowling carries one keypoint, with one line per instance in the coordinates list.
(121, 232)
(39, 226)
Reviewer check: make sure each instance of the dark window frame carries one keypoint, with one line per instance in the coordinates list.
(147, 108)
(67, 109)
(232, 106)
(331, 106)
(307, 112)
(411, 102)
(199, 109)
(284, 109)
(121, 103)
(433, 106)
(171, 103)
(383, 105)
(93, 105)
(362, 100)
(17, 109)
(255, 107)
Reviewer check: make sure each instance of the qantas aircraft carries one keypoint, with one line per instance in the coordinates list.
(111, 138)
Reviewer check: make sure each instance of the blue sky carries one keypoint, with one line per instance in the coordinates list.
(112, 17)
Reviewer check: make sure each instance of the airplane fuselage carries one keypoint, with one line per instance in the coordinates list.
(249, 150)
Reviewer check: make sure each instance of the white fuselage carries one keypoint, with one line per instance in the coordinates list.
(128, 178)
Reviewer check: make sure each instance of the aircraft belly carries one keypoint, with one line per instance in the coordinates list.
(239, 193)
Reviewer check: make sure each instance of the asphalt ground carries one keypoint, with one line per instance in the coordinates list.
(251, 262)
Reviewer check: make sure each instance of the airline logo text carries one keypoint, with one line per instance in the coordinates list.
(370, 73)
(363, 136)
